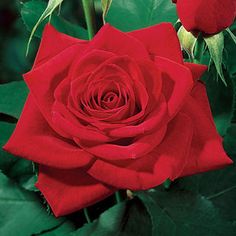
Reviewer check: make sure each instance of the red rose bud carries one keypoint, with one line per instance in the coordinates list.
(116, 112)
(207, 16)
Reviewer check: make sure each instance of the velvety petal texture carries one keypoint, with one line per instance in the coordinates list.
(210, 17)
(122, 111)
(69, 190)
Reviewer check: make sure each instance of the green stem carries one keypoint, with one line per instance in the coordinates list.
(86, 214)
(118, 197)
(90, 15)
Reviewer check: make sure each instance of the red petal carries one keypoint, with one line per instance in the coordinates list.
(138, 148)
(196, 69)
(177, 83)
(207, 152)
(33, 139)
(43, 80)
(156, 118)
(111, 39)
(68, 191)
(52, 43)
(160, 40)
(166, 161)
(88, 62)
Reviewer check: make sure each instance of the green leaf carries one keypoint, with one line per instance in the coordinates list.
(123, 219)
(219, 188)
(6, 159)
(129, 15)
(215, 44)
(233, 120)
(179, 212)
(20, 170)
(21, 212)
(24, 173)
(52, 5)
(28, 182)
(230, 140)
(230, 52)
(12, 98)
(105, 7)
(14, 55)
(221, 99)
(62, 230)
(33, 10)
(233, 37)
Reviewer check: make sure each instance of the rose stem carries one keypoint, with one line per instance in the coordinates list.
(86, 214)
(118, 197)
(90, 15)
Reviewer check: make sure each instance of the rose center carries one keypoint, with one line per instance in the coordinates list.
(109, 100)
(109, 97)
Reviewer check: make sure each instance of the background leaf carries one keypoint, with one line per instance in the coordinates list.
(22, 212)
(221, 100)
(12, 98)
(6, 159)
(184, 213)
(31, 12)
(20, 170)
(129, 15)
(122, 219)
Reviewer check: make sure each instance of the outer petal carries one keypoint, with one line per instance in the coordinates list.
(160, 40)
(52, 43)
(207, 152)
(111, 39)
(33, 139)
(137, 149)
(166, 161)
(67, 191)
(43, 80)
(177, 83)
(196, 69)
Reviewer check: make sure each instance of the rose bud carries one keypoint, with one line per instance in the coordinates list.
(209, 17)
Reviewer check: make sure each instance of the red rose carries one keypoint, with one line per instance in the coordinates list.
(122, 111)
(207, 16)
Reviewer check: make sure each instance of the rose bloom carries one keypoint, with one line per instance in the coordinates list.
(207, 16)
(122, 111)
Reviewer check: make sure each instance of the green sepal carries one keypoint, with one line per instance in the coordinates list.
(33, 10)
(105, 8)
(51, 6)
(187, 41)
(215, 45)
